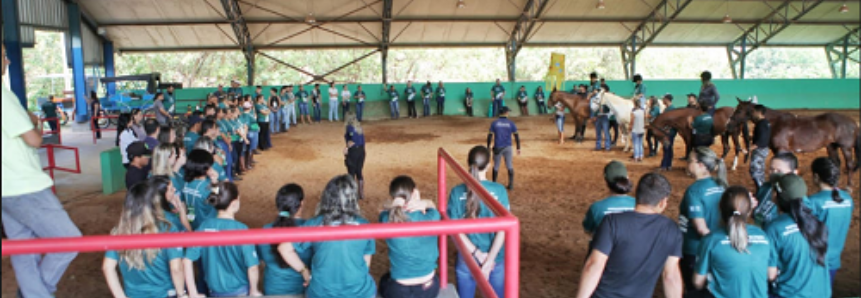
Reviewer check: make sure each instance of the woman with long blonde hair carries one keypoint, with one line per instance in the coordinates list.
(168, 160)
(145, 272)
(355, 151)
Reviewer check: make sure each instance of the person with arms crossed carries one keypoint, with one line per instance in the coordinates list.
(500, 133)
(631, 250)
(30, 209)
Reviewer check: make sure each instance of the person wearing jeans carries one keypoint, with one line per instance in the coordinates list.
(440, 100)
(466, 284)
(317, 97)
(393, 104)
(427, 93)
(290, 107)
(333, 102)
(360, 105)
(410, 92)
(275, 108)
(638, 128)
(30, 209)
(602, 128)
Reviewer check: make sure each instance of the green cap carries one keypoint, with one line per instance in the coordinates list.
(790, 187)
(615, 170)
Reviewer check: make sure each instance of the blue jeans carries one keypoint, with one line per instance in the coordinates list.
(318, 112)
(560, 123)
(396, 109)
(303, 109)
(497, 104)
(254, 139)
(238, 293)
(667, 161)
(290, 114)
(228, 169)
(31, 216)
(833, 274)
(466, 284)
(275, 119)
(360, 107)
(602, 127)
(637, 139)
(426, 105)
(333, 110)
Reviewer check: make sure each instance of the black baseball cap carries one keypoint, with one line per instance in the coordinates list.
(194, 120)
(138, 149)
(668, 97)
(504, 110)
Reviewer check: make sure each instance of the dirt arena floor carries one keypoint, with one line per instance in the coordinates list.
(555, 186)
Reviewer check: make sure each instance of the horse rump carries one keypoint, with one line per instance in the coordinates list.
(857, 152)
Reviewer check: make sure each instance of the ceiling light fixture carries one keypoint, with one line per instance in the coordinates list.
(461, 4)
(310, 18)
(726, 18)
(600, 4)
(844, 8)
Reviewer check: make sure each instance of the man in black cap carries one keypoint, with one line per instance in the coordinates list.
(500, 133)
(139, 154)
(193, 133)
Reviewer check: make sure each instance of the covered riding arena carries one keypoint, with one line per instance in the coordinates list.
(556, 183)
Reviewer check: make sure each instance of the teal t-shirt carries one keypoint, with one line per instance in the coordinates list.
(700, 201)
(522, 96)
(49, 109)
(703, 124)
(427, 92)
(800, 275)
(302, 95)
(440, 93)
(224, 126)
(655, 112)
(413, 257)
(279, 281)
(339, 267)
(222, 174)
(498, 91)
(410, 92)
(189, 140)
(640, 89)
(732, 273)
(250, 120)
(393, 95)
(174, 220)
(837, 217)
(610, 205)
(457, 210)
(194, 195)
(766, 209)
(155, 279)
(260, 116)
(226, 267)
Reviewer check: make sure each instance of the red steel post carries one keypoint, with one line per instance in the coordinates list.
(442, 203)
(512, 260)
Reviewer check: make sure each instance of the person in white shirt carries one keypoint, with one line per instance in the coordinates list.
(333, 102)
(638, 129)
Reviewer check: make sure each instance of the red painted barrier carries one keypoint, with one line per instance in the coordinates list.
(95, 129)
(504, 221)
(58, 132)
(52, 163)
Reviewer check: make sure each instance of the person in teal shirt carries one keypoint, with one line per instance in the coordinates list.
(394, 104)
(616, 177)
(702, 129)
(340, 268)
(249, 120)
(833, 207)
(523, 101)
(765, 210)
(799, 244)
(414, 259)
(698, 212)
(263, 112)
(539, 99)
(199, 176)
(733, 260)
(487, 249)
(145, 273)
(169, 199)
(427, 93)
(229, 271)
(639, 89)
(49, 111)
(440, 99)
(278, 278)
(410, 93)
(498, 93)
(190, 138)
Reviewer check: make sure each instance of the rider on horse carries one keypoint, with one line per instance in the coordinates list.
(709, 96)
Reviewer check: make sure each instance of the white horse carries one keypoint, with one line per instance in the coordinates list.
(622, 107)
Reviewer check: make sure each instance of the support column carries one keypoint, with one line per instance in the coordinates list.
(14, 50)
(251, 63)
(384, 54)
(78, 72)
(108, 49)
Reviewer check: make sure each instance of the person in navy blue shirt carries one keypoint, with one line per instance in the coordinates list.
(355, 151)
(500, 133)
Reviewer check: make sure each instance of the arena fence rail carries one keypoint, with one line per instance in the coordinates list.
(52, 162)
(505, 222)
(58, 132)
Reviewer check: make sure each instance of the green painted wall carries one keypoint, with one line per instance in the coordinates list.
(778, 94)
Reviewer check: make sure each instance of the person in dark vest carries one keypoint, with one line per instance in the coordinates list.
(709, 96)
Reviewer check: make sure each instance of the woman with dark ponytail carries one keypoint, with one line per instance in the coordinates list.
(799, 244)
(487, 249)
(229, 271)
(278, 278)
(738, 267)
(699, 213)
(832, 206)
(616, 176)
(414, 259)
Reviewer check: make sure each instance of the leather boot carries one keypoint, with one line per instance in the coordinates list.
(495, 175)
(511, 180)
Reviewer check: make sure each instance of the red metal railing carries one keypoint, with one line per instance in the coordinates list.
(52, 163)
(58, 132)
(96, 129)
(503, 222)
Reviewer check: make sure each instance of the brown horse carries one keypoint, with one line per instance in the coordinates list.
(681, 119)
(578, 106)
(790, 133)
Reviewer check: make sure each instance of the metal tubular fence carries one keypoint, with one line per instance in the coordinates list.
(504, 222)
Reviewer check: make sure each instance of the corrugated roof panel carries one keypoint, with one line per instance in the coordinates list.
(699, 33)
(448, 8)
(93, 50)
(808, 35)
(583, 32)
(277, 32)
(829, 11)
(262, 9)
(43, 13)
(28, 36)
(170, 36)
(614, 9)
(715, 10)
(452, 33)
(114, 11)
